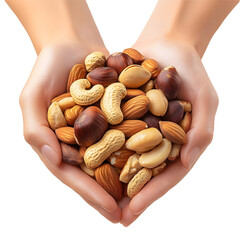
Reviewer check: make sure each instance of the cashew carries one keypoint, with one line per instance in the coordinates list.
(55, 116)
(159, 169)
(175, 152)
(84, 97)
(111, 100)
(138, 182)
(158, 102)
(144, 140)
(131, 167)
(66, 103)
(88, 171)
(111, 141)
(157, 156)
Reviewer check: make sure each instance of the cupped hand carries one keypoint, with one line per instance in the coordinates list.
(196, 87)
(47, 80)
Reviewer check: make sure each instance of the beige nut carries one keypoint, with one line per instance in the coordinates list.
(147, 86)
(158, 102)
(175, 152)
(111, 100)
(94, 60)
(134, 76)
(84, 97)
(55, 116)
(144, 140)
(159, 169)
(66, 103)
(185, 124)
(131, 167)
(187, 106)
(111, 141)
(157, 156)
(138, 182)
(87, 170)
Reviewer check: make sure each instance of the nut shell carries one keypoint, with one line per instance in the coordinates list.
(119, 61)
(102, 75)
(94, 60)
(167, 81)
(108, 178)
(90, 126)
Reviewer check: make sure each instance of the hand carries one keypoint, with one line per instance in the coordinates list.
(47, 80)
(197, 88)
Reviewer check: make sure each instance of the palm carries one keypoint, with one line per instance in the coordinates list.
(195, 87)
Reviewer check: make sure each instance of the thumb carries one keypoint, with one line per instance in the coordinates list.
(36, 129)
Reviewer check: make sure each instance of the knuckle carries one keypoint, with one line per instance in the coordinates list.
(208, 136)
(29, 136)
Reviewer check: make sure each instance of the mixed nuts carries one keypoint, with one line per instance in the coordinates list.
(120, 120)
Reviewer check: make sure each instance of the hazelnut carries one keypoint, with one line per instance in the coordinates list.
(90, 126)
(119, 61)
(70, 154)
(167, 81)
(151, 120)
(174, 112)
(102, 75)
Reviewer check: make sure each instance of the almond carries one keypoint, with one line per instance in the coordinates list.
(152, 66)
(77, 72)
(70, 154)
(108, 178)
(72, 114)
(66, 103)
(131, 93)
(120, 157)
(136, 107)
(136, 56)
(66, 135)
(130, 127)
(60, 97)
(173, 132)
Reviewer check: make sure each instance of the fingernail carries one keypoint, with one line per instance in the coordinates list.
(50, 154)
(193, 156)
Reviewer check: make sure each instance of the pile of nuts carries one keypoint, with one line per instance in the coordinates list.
(119, 120)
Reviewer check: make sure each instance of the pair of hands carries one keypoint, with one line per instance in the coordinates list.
(48, 79)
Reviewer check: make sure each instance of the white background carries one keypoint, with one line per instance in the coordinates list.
(36, 205)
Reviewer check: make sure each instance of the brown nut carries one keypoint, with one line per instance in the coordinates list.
(131, 93)
(60, 97)
(174, 112)
(131, 167)
(134, 76)
(147, 86)
(66, 135)
(90, 126)
(70, 154)
(55, 116)
(77, 72)
(175, 152)
(136, 107)
(185, 124)
(72, 114)
(138, 182)
(130, 127)
(158, 102)
(151, 120)
(173, 132)
(167, 81)
(108, 178)
(120, 157)
(82, 151)
(144, 140)
(119, 61)
(159, 169)
(152, 66)
(102, 75)
(94, 60)
(134, 54)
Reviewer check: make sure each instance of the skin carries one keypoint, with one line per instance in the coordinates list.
(59, 32)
